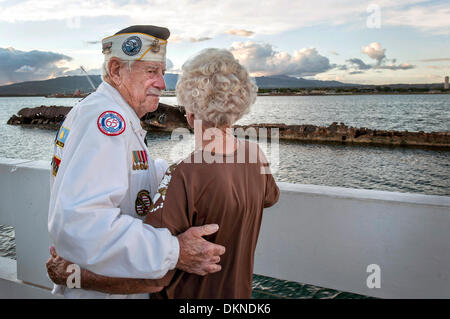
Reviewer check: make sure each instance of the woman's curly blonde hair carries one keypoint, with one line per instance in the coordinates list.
(216, 88)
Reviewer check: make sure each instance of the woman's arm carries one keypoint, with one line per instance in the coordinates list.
(57, 271)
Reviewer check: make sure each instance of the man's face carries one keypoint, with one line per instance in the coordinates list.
(142, 86)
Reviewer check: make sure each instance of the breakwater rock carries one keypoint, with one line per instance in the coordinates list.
(343, 134)
(166, 118)
(42, 116)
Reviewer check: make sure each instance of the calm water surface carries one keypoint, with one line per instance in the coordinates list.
(383, 168)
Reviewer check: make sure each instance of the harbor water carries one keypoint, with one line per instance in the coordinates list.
(370, 167)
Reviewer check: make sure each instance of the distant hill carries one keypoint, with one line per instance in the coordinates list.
(64, 84)
(284, 81)
(69, 84)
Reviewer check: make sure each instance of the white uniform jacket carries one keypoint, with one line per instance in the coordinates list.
(95, 215)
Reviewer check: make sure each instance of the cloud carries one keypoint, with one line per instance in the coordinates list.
(435, 60)
(430, 18)
(177, 38)
(262, 59)
(80, 72)
(191, 39)
(359, 64)
(403, 66)
(374, 51)
(19, 66)
(169, 65)
(25, 68)
(189, 18)
(240, 32)
(438, 67)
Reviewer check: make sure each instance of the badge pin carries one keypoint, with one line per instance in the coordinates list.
(155, 47)
(143, 203)
(132, 45)
(106, 48)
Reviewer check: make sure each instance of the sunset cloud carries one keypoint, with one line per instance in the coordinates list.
(262, 59)
(374, 51)
(435, 60)
(241, 33)
(191, 39)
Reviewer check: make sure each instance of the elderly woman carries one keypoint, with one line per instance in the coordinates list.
(224, 181)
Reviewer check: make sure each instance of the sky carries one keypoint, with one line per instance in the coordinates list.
(352, 41)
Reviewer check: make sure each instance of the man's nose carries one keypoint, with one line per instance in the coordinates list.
(160, 83)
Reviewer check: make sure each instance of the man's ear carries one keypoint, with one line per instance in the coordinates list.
(114, 65)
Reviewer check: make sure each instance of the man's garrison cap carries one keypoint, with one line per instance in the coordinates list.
(137, 43)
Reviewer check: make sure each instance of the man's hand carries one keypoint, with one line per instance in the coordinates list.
(57, 268)
(57, 271)
(197, 255)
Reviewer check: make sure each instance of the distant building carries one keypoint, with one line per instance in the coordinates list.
(446, 85)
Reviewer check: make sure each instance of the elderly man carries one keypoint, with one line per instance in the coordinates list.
(104, 178)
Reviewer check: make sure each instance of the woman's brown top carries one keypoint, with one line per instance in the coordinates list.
(232, 194)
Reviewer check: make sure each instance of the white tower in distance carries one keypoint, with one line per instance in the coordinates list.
(446, 85)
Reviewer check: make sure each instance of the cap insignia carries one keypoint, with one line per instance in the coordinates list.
(132, 45)
(106, 48)
(155, 46)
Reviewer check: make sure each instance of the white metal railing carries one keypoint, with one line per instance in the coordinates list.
(325, 236)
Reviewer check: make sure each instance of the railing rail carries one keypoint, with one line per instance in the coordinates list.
(325, 236)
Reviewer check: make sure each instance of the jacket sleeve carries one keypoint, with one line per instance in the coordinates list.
(85, 222)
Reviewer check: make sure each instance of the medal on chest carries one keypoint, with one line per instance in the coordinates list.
(140, 160)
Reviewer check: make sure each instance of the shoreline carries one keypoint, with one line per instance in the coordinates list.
(263, 94)
(347, 94)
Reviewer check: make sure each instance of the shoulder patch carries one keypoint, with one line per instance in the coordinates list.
(55, 164)
(111, 123)
(61, 138)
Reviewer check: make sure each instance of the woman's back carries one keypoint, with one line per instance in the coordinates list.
(232, 192)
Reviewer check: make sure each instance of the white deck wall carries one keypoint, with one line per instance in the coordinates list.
(325, 236)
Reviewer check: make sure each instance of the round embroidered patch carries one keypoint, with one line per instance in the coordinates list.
(143, 203)
(111, 123)
(132, 45)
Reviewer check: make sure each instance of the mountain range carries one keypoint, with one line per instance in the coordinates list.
(69, 84)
